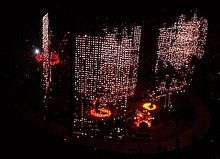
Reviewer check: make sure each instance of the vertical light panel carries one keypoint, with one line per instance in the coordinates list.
(177, 45)
(46, 79)
(106, 67)
(180, 42)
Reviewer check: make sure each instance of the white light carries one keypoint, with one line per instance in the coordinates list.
(46, 73)
(180, 42)
(105, 68)
(177, 45)
(36, 51)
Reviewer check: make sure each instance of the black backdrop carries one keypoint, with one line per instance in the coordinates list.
(20, 80)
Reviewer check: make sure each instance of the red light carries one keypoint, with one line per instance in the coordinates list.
(54, 58)
(101, 113)
(39, 58)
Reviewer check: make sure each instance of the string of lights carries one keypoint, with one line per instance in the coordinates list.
(106, 69)
(46, 79)
(177, 45)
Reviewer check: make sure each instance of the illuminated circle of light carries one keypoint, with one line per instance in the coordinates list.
(101, 113)
(142, 117)
(149, 106)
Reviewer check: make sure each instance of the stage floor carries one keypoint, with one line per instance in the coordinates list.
(165, 136)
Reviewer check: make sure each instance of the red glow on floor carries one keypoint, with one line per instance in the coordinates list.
(100, 113)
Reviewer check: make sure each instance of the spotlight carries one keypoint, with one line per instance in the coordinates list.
(36, 51)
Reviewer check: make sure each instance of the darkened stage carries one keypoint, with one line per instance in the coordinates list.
(138, 86)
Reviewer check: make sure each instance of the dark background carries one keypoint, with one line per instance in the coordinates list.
(20, 28)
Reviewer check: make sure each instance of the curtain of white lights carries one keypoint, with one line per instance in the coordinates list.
(106, 67)
(178, 43)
